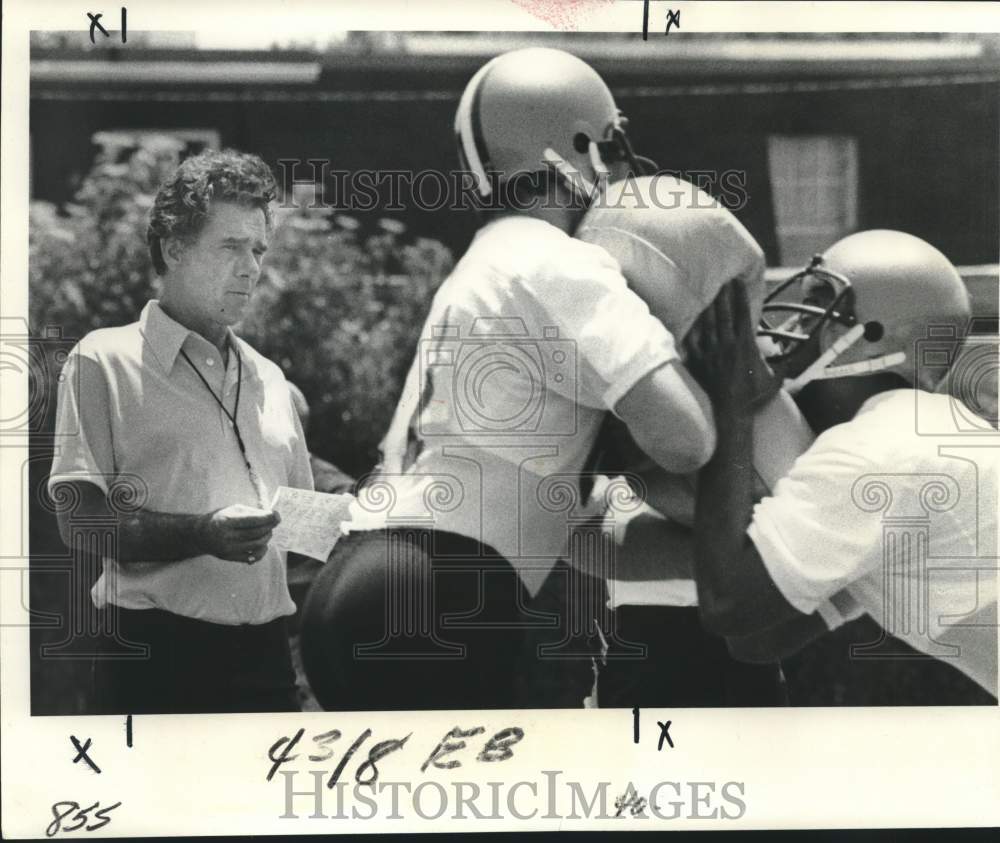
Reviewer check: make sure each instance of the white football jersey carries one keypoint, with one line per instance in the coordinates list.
(528, 342)
(899, 507)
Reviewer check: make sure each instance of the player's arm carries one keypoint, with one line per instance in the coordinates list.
(627, 359)
(736, 594)
(791, 635)
(779, 641)
(670, 418)
(617, 454)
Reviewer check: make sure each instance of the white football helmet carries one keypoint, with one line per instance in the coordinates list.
(865, 304)
(538, 108)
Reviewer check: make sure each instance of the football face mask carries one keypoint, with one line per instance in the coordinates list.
(619, 148)
(807, 335)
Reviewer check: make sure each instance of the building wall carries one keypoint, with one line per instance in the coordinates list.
(927, 155)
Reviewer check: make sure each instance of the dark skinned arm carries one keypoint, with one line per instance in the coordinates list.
(778, 642)
(736, 595)
(790, 636)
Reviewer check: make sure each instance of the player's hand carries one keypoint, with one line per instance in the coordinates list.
(723, 354)
(238, 533)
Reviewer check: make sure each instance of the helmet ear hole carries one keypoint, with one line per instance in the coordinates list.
(874, 331)
(581, 143)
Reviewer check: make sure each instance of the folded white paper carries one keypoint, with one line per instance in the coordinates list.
(310, 521)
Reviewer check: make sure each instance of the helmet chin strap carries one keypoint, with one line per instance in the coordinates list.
(821, 369)
(573, 178)
(600, 168)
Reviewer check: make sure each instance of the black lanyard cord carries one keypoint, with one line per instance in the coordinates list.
(236, 406)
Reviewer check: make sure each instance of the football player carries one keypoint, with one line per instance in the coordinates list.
(677, 248)
(429, 601)
(894, 502)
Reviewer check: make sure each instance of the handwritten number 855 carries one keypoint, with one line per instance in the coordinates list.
(61, 810)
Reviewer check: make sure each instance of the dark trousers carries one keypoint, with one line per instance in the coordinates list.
(684, 666)
(560, 650)
(423, 619)
(194, 666)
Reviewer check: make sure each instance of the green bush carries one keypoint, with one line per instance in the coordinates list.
(341, 313)
(339, 305)
(88, 265)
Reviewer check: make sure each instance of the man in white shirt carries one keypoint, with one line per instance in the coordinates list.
(894, 504)
(182, 433)
(533, 337)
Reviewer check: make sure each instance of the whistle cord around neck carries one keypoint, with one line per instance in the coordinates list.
(236, 407)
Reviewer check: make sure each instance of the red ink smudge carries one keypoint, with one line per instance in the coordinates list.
(562, 14)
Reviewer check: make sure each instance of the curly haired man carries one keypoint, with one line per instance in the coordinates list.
(203, 428)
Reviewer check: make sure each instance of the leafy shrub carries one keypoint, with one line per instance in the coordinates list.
(340, 313)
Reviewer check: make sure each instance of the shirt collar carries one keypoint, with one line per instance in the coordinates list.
(888, 395)
(166, 335)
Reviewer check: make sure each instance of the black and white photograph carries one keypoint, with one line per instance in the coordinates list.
(443, 370)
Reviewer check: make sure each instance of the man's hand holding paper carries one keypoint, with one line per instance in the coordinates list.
(310, 521)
